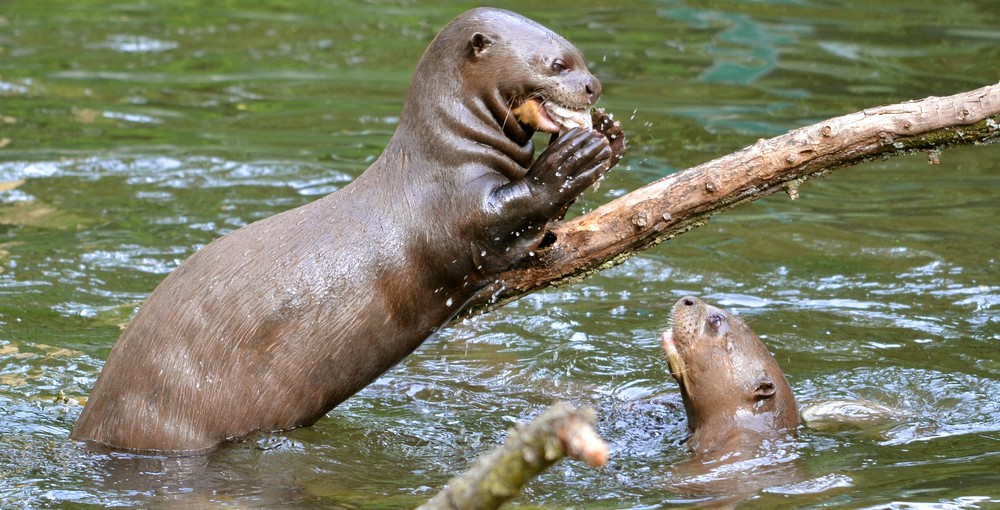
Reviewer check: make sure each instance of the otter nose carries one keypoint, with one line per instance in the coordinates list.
(593, 87)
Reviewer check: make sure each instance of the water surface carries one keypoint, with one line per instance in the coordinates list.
(133, 133)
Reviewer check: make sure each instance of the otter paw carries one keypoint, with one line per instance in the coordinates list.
(571, 163)
(606, 124)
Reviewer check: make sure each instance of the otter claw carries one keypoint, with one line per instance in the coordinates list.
(606, 124)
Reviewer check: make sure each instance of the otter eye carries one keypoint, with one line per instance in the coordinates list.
(559, 66)
(715, 320)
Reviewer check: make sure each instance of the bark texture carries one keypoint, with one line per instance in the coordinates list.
(610, 234)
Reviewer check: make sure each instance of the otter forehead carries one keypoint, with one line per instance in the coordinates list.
(506, 22)
(517, 31)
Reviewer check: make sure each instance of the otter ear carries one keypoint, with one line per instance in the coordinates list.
(765, 389)
(479, 43)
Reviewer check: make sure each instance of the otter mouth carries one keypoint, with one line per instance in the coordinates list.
(551, 117)
(674, 360)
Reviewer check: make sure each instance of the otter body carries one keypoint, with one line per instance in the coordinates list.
(271, 326)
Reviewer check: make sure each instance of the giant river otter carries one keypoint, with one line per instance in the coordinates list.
(733, 390)
(271, 326)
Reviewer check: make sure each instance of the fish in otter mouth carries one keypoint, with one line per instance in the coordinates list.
(552, 117)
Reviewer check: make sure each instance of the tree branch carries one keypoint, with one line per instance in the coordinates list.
(612, 233)
(500, 474)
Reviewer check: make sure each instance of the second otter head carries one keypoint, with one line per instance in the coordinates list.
(729, 381)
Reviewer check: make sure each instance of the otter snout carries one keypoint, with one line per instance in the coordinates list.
(593, 88)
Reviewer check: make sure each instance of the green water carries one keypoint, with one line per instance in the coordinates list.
(133, 133)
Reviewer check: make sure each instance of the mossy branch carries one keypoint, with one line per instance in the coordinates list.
(499, 475)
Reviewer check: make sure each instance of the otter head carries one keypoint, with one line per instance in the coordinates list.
(512, 72)
(549, 89)
(731, 385)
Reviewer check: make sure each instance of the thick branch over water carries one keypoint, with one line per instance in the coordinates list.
(679, 202)
(500, 474)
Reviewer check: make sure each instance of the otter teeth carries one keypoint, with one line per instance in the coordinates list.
(568, 118)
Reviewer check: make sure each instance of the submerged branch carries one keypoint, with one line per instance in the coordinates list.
(499, 475)
(612, 233)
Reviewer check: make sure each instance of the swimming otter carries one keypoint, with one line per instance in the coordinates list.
(734, 392)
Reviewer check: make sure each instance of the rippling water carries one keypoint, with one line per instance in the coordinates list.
(131, 134)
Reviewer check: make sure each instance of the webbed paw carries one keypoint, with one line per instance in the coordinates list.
(571, 163)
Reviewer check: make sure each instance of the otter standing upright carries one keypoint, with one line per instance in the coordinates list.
(271, 326)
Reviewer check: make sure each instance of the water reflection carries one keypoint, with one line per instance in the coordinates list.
(136, 44)
(742, 48)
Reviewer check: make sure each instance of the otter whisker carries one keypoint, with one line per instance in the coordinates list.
(510, 111)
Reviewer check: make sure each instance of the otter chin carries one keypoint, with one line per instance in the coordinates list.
(273, 325)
